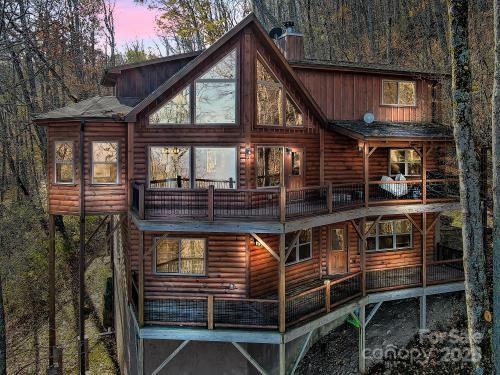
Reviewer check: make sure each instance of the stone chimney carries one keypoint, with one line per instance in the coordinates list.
(291, 43)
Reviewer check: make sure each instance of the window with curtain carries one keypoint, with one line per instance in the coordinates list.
(169, 167)
(105, 162)
(64, 162)
(389, 235)
(184, 256)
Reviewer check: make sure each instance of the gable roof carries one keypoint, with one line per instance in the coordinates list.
(97, 107)
(383, 129)
(251, 19)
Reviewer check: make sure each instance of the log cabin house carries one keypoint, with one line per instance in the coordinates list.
(256, 196)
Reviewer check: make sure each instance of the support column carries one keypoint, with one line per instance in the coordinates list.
(282, 369)
(424, 173)
(140, 357)
(81, 261)
(362, 339)
(423, 313)
(52, 290)
(366, 172)
(141, 280)
(425, 231)
(282, 288)
(362, 253)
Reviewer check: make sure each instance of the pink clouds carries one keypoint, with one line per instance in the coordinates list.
(134, 22)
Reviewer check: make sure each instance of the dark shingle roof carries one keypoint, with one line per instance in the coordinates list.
(104, 107)
(380, 129)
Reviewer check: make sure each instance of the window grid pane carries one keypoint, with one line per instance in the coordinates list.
(175, 111)
(389, 235)
(169, 167)
(105, 162)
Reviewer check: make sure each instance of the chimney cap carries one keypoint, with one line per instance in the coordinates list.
(288, 24)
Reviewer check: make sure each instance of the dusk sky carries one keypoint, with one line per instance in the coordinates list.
(134, 22)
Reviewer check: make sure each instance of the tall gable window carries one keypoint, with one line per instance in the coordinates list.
(210, 99)
(399, 93)
(64, 162)
(175, 111)
(104, 162)
(274, 105)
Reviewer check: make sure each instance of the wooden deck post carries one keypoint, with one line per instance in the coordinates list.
(328, 302)
(330, 197)
(211, 203)
(141, 201)
(282, 204)
(362, 339)
(423, 313)
(366, 171)
(52, 290)
(424, 173)
(140, 308)
(82, 353)
(424, 249)
(210, 312)
(282, 289)
(362, 253)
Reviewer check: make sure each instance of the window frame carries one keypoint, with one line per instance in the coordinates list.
(192, 165)
(118, 164)
(414, 104)
(394, 236)
(282, 168)
(284, 95)
(192, 97)
(297, 249)
(179, 240)
(406, 162)
(64, 162)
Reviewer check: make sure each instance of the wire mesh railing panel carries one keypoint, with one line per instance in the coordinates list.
(445, 271)
(400, 190)
(306, 201)
(305, 304)
(345, 289)
(176, 202)
(347, 195)
(176, 311)
(394, 277)
(245, 313)
(247, 203)
(442, 189)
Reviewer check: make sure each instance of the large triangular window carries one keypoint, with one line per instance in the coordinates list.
(210, 99)
(274, 106)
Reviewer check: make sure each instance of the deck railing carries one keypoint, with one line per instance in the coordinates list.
(222, 312)
(280, 203)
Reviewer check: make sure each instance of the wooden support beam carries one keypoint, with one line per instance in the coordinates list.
(96, 230)
(366, 175)
(266, 246)
(438, 215)
(423, 157)
(362, 339)
(372, 225)
(211, 203)
(293, 244)
(413, 223)
(282, 204)
(302, 352)
(52, 290)
(423, 313)
(81, 258)
(321, 156)
(170, 357)
(357, 229)
(130, 158)
(363, 257)
(330, 197)
(281, 286)
(328, 303)
(210, 312)
(141, 202)
(249, 358)
(373, 312)
(372, 151)
(282, 359)
(141, 280)
(424, 250)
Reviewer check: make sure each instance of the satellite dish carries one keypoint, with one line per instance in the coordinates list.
(276, 32)
(368, 117)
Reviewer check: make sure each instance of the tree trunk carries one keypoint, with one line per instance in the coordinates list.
(495, 126)
(3, 335)
(476, 291)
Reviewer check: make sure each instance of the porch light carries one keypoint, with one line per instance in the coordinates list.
(257, 243)
(248, 152)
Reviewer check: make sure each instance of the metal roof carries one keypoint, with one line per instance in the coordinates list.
(381, 129)
(97, 107)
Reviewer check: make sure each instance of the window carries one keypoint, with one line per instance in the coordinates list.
(271, 108)
(402, 93)
(180, 256)
(215, 166)
(338, 239)
(404, 161)
(269, 166)
(296, 163)
(64, 173)
(301, 249)
(105, 162)
(169, 167)
(216, 93)
(389, 235)
(175, 111)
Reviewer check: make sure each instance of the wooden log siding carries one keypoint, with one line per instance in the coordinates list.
(383, 259)
(264, 267)
(348, 96)
(64, 199)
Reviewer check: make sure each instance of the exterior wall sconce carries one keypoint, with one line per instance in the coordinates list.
(248, 152)
(231, 286)
(257, 243)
